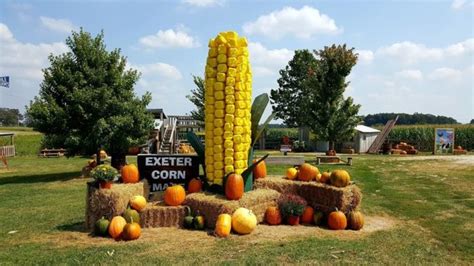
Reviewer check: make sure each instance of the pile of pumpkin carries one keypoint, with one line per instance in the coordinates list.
(308, 172)
(126, 226)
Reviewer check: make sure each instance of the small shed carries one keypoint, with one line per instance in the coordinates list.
(7, 144)
(363, 138)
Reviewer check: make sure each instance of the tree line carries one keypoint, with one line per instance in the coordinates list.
(408, 119)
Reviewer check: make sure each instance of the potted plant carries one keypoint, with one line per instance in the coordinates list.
(104, 174)
(291, 207)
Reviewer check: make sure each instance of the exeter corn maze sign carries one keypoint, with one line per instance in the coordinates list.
(162, 171)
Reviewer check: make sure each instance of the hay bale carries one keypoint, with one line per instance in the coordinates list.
(211, 205)
(156, 214)
(319, 196)
(109, 202)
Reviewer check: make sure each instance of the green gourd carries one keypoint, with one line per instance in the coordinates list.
(131, 215)
(101, 227)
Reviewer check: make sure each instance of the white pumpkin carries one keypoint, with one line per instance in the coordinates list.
(243, 221)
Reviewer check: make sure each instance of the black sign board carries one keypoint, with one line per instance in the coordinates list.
(162, 171)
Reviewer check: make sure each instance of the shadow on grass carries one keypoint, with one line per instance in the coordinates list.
(39, 178)
(73, 227)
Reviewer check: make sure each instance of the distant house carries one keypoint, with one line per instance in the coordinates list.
(363, 138)
(185, 124)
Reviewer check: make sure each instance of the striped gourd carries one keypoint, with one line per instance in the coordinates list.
(228, 93)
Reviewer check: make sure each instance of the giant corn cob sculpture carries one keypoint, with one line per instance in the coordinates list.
(228, 93)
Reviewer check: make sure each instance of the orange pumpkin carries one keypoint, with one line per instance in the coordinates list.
(355, 220)
(308, 215)
(337, 220)
(174, 195)
(195, 185)
(307, 172)
(260, 170)
(234, 187)
(291, 173)
(132, 231)
(325, 176)
(116, 227)
(223, 225)
(273, 216)
(340, 178)
(130, 174)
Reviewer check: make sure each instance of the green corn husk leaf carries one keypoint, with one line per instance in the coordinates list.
(199, 148)
(258, 107)
(262, 128)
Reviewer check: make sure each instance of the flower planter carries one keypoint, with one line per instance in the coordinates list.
(293, 220)
(105, 184)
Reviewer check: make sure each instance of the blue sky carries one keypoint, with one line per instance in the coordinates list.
(415, 56)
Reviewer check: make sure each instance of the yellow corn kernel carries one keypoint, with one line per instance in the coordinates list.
(221, 59)
(218, 123)
(228, 160)
(228, 169)
(232, 52)
(222, 49)
(231, 35)
(212, 43)
(212, 62)
(239, 86)
(229, 89)
(218, 165)
(239, 164)
(238, 121)
(210, 72)
(210, 175)
(219, 113)
(209, 167)
(219, 173)
(230, 81)
(218, 157)
(212, 52)
(228, 144)
(239, 171)
(218, 140)
(231, 62)
(240, 104)
(230, 99)
(220, 39)
(210, 141)
(210, 100)
(218, 86)
(229, 153)
(229, 118)
(242, 42)
(240, 113)
(228, 134)
(219, 105)
(228, 127)
(221, 78)
(239, 147)
(217, 181)
(231, 71)
(218, 95)
(218, 131)
(221, 68)
(237, 156)
(230, 109)
(237, 139)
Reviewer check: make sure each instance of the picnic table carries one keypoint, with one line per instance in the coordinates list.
(52, 153)
(330, 160)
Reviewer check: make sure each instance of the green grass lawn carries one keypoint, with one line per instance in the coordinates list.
(430, 201)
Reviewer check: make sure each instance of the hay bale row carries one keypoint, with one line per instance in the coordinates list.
(109, 202)
(211, 205)
(158, 215)
(319, 196)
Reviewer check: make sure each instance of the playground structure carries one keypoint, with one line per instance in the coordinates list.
(7, 149)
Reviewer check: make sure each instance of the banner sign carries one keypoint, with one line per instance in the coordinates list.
(5, 81)
(444, 141)
(162, 171)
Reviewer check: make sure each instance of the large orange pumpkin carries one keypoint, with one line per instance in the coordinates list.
(307, 172)
(130, 174)
(337, 220)
(308, 215)
(273, 216)
(174, 195)
(260, 170)
(234, 187)
(116, 227)
(223, 225)
(195, 185)
(355, 220)
(340, 178)
(132, 231)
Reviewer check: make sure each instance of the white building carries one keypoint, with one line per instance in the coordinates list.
(363, 138)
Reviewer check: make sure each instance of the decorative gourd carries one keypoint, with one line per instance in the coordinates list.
(293, 220)
(174, 195)
(234, 187)
(325, 177)
(188, 219)
(116, 227)
(340, 178)
(199, 222)
(355, 220)
(101, 227)
(273, 216)
(307, 172)
(260, 170)
(318, 217)
(195, 185)
(130, 173)
(243, 221)
(307, 217)
(337, 220)
(291, 173)
(131, 215)
(223, 225)
(138, 203)
(132, 231)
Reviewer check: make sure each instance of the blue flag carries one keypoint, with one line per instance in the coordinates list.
(5, 81)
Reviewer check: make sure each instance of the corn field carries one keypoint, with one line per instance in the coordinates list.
(422, 136)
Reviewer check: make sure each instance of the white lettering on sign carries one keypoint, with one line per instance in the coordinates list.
(169, 174)
(168, 161)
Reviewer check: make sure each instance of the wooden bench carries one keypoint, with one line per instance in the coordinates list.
(279, 160)
(331, 159)
(52, 153)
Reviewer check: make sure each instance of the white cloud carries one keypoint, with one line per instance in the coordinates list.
(59, 25)
(409, 53)
(301, 23)
(169, 39)
(161, 70)
(412, 74)
(268, 61)
(458, 4)
(365, 56)
(204, 3)
(461, 48)
(445, 74)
